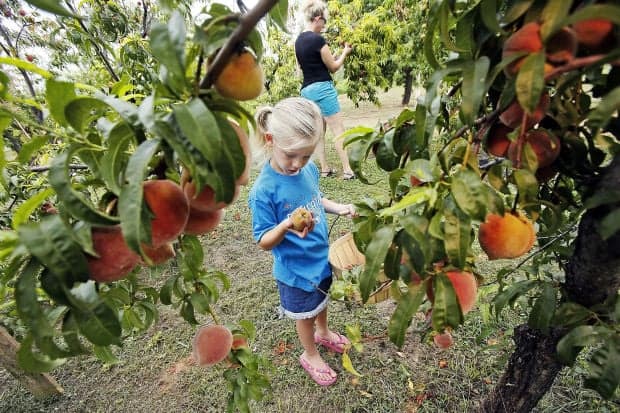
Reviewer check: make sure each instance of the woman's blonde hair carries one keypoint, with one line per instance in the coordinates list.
(314, 8)
(294, 123)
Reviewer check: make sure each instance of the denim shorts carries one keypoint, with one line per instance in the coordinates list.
(324, 94)
(299, 304)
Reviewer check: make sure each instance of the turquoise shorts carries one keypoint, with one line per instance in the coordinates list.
(324, 94)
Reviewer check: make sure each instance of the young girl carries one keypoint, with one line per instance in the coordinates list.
(289, 132)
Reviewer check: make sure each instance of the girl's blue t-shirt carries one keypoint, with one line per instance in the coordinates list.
(298, 262)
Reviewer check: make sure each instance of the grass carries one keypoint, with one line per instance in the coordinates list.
(155, 375)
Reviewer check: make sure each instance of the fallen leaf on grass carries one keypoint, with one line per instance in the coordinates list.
(282, 347)
(348, 366)
(443, 363)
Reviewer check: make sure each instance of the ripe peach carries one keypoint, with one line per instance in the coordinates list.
(239, 341)
(159, 255)
(508, 236)
(205, 200)
(415, 181)
(526, 39)
(170, 207)
(244, 178)
(201, 222)
(465, 287)
(242, 77)
(562, 46)
(512, 116)
(497, 140)
(546, 146)
(301, 219)
(593, 33)
(211, 344)
(443, 340)
(115, 259)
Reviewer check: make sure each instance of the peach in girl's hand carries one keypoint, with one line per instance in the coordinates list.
(301, 219)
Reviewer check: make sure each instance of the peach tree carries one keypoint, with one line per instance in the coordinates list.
(515, 142)
(123, 170)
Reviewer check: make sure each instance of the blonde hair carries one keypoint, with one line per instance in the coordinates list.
(294, 123)
(314, 8)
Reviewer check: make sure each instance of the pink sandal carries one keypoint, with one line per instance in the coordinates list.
(316, 374)
(338, 346)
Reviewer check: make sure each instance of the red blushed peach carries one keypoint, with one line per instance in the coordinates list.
(526, 39)
(205, 200)
(115, 259)
(242, 77)
(593, 33)
(443, 340)
(497, 140)
(201, 222)
(211, 344)
(562, 46)
(465, 287)
(158, 255)
(170, 208)
(546, 147)
(507, 236)
(512, 116)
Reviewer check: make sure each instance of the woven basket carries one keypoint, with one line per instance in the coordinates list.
(343, 255)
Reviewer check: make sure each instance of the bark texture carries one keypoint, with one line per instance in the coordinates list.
(592, 277)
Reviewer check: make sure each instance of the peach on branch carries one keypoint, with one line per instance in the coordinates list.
(301, 218)
(593, 33)
(114, 257)
(201, 222)
(205, 200)
(561, 47)
(242, 77)
(159, 255)
(497, 140)
(211, 344)
(507, 236)
(465, 287)
(545, 145)
(527, 39)
(170, 208)
(512, 116)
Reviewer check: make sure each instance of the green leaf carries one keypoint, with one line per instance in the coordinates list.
(113, 161)
(416, 195)
(375, 255)
(604, 375)
(73, 201)
(531, 81)
(553, 16)
(571, 314)
(34, 363)
(71, 333)
(81, 111)
(30, 147)
(470, 193)
(488, 14)
(135, 218)
(104, 353)
(473, 89)
(23, 212)
(512, 293)
(52, 6)
(610, 224)
(405, 309)
(279, 14)
(595, 11)
(543, 310)
(52, 242)
(58, 94)
(446, 309)
(169, 50)
(572, 343)
(95, 319)
(457, 233)
(609, 104)
(199, 126)
(527, 185)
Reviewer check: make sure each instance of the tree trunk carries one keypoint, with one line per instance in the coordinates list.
(408, 87)
(39, 384)
(592, 277)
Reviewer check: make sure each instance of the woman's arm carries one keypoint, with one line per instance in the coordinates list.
(330, 61)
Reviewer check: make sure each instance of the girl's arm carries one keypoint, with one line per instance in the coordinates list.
(275, 235)
(332, 207)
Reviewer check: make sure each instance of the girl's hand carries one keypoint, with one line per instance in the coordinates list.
(348, 210)
(302, 233)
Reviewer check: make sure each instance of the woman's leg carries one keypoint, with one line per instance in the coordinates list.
(336, 125)
(319, 151)
(305, 331)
